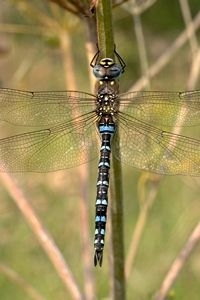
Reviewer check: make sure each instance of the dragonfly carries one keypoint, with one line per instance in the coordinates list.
(73, 126)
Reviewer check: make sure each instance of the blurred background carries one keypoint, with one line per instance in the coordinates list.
(43, 47)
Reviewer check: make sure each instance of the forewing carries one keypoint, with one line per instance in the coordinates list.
(163, 108)
(43, 108)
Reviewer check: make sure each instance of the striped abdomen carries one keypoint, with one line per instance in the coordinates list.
(106, 130)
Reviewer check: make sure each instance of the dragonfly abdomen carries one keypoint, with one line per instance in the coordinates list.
(106, 130)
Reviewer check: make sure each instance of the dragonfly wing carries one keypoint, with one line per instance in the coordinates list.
(163, 108)
(43, 108)
(64, 146)
(149, 148)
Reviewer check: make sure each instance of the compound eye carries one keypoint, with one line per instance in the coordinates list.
(98, 71)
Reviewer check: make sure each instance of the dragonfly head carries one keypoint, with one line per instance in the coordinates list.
(107, 69)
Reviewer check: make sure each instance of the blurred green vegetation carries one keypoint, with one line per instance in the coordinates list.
(34, 62)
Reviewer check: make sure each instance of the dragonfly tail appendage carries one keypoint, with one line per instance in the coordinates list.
(98, 257)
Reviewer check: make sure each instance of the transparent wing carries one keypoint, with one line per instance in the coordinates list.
(149, 148)
(43, 108)
(163, 108)
(63, 146)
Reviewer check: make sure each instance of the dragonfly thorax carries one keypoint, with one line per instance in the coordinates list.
(107, 99)
(106, 105)
(109, 87)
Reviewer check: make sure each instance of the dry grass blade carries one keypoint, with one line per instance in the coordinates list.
(141, 46)
(167, 55)
(43, 236)
(188, 20)
(70, 80)
(194, 71)
(179, 263)
(146, 199)
(13, 276)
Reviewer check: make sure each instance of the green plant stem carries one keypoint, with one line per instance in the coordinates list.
(104, 29)
(117, 238)
(106, 47)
